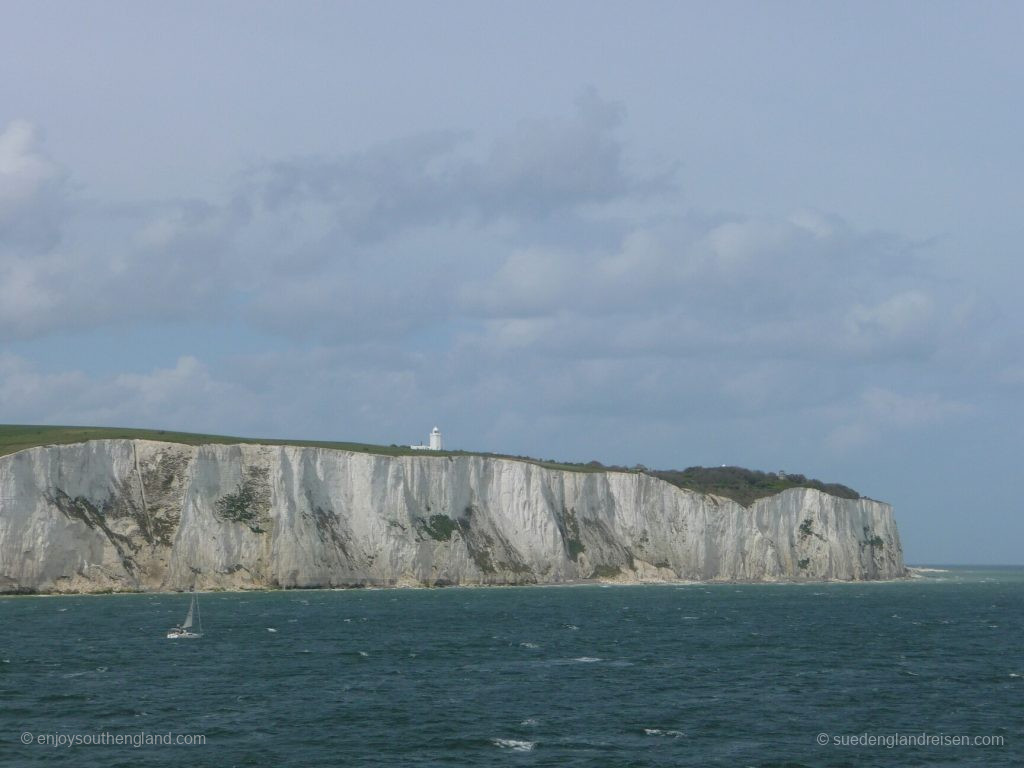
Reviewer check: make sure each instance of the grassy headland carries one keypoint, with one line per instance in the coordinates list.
(739, 484)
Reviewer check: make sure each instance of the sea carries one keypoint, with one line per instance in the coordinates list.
(923, 672)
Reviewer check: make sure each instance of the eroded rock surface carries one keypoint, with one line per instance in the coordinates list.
(142, 515)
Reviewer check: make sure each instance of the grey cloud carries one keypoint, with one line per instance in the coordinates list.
(541, 170)
(879, 410)
(533, 275)
(804, 286)
(186, 396)
(167, 264)
(32, 191)
(372, 242)
(67, 262)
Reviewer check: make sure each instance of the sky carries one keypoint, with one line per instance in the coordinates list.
(780, 235)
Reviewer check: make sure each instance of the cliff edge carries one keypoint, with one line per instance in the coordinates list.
(144, 515)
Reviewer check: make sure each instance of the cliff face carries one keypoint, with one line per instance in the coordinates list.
(133, 514)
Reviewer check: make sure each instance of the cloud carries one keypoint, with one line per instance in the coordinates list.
(33, 203)
(317, 245)
(806, 286)
(532, 279)
(183, 396)
(30, 395)
(32, 188)
(880, 411)
(68, 263)
(430, 232)
(162, 388)
(170, 262)
(542, 170)
(907, 316)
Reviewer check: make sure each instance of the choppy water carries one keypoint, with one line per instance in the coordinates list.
(694, 675)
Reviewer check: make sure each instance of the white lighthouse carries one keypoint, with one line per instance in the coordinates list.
(435, 443)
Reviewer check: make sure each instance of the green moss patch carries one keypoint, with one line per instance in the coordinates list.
(439, 527)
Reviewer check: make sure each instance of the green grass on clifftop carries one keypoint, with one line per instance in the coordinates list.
(18, 437)
(742, 485)
(15, 437)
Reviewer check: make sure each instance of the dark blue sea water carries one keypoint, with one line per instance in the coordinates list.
(695, 675)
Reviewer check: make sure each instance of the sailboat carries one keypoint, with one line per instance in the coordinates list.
(184, 630)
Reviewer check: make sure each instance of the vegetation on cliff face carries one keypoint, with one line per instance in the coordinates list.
(439, 527)
(249, 503)
(741, 485)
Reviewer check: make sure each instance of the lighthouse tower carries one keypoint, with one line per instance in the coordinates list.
(435, 439)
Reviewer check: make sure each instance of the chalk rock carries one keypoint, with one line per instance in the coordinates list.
(143, 515)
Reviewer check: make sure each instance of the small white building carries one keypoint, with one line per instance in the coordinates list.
(435, 443)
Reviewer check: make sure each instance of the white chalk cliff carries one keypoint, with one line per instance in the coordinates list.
(141, 515)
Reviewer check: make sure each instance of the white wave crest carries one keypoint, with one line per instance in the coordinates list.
(660, 732)
(514, 744)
